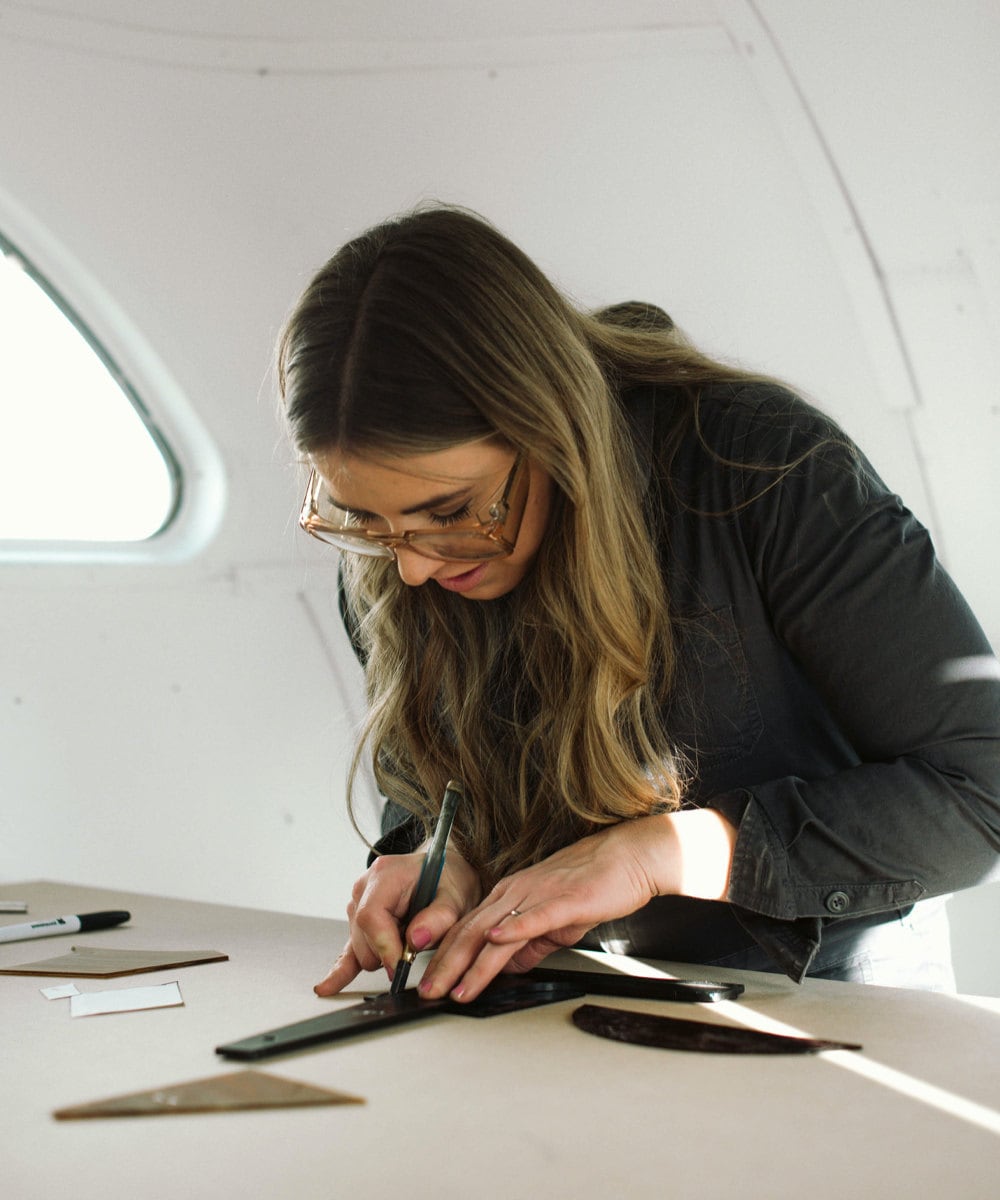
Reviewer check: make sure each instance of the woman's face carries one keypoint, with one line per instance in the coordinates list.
(397, 493)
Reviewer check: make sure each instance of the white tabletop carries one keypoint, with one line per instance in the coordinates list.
(516, 1105)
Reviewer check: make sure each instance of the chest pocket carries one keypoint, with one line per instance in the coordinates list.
(714, 717)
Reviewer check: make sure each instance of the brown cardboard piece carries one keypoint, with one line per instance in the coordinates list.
(98, 962)
(220, 1093)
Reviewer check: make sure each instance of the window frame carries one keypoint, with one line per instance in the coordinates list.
(193, 463)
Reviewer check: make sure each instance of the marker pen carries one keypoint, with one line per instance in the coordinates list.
(78, 924)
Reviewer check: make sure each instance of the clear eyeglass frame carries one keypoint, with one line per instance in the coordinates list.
(492, 534)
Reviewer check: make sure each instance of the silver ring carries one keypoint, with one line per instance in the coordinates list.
(514, 912)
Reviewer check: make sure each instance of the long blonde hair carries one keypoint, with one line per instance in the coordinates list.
(431, 330)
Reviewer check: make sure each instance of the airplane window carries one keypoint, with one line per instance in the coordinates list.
(79, 458)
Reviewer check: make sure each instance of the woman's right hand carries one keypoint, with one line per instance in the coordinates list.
(379, 903)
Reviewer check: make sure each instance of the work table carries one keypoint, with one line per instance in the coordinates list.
(519, 1104)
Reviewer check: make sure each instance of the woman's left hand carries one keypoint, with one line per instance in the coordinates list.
(554, 903)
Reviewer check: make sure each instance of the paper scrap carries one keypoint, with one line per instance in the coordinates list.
(220, 1093)
(97, 960)
(59, 991)
(92, 1004)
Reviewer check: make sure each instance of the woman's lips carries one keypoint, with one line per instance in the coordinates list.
(465, 581)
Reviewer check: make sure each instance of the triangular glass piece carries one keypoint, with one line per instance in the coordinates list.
(220, 1093)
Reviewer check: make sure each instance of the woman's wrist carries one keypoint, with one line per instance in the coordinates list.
(691, 853)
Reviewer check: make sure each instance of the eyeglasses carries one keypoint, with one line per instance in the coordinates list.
(491, 534)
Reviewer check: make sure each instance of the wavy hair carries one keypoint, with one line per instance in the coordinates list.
(433, 329)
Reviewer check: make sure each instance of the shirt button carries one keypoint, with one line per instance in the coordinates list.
(838, 902)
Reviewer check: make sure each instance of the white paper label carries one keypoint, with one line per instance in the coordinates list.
(92, 1004)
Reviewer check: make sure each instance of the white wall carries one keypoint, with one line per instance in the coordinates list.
(808, 188)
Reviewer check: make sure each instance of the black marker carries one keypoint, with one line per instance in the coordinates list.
(430, 874)
(80, 924)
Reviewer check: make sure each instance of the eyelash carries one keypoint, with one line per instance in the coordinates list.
(438, 519)
(451, 518)
(359, 518)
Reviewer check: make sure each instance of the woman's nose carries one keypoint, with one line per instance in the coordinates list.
(413, 568)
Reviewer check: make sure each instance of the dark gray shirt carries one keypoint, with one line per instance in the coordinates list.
(815, 631)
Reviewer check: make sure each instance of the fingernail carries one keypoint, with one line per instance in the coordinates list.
(458, 992)
(420, 939)
(425, 987)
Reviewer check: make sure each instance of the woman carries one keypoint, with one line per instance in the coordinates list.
(684, 649)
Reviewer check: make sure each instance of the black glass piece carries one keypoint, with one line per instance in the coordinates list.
(675, 1033)
(606, 983)
(512, 993)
